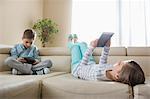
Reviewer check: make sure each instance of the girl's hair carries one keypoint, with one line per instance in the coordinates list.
(132, 74)
(28, 34)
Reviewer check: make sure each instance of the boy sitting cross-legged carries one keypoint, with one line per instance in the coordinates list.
(18, 62)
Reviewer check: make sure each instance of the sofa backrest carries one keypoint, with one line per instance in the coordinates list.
(61, 57)
(142, 55)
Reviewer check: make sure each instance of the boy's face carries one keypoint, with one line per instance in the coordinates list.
(27, 42)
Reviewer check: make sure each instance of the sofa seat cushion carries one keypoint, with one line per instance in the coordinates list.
(67, 87)
(19, 88)
(22, 86)
(143, 91)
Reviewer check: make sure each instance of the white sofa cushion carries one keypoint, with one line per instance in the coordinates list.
(54, 51)
(19, 88)
(138, 51)
(67, 87)
(114, 51)
(143, 61)
(22, 86)
(142, 91)
(59, 63)
(5, 50)
(3, 67)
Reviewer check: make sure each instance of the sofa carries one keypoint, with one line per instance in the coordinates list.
(60, 84)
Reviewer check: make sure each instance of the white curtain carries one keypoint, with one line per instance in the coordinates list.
(128, 19)
(134, 22)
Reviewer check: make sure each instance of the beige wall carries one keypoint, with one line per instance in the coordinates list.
(60, 12)
(1, 21)
(16, 16)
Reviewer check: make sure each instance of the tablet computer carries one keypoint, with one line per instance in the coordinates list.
(104, 38)
(29, 60)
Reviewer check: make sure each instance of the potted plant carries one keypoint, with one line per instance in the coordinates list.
(45, 28)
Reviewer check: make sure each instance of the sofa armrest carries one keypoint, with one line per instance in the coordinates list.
(4, 53)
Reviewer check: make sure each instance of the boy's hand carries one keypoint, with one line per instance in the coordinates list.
(21, 60)
(36, 62)
(94, 43)
(108, 43)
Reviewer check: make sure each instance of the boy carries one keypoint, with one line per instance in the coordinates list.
(20, 65)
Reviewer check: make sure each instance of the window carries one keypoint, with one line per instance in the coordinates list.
(128, 19)
(92, 17)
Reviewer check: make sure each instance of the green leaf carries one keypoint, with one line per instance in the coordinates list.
(47, 26)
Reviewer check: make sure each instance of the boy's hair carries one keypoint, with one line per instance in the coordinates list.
(132, 74)
(28, 34)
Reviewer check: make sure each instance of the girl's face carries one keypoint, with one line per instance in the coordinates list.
(27, 42)
(117, 68)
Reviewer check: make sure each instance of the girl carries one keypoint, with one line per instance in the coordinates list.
(84, 67)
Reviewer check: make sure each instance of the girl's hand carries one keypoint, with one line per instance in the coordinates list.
(108, 43)
(94, 43)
